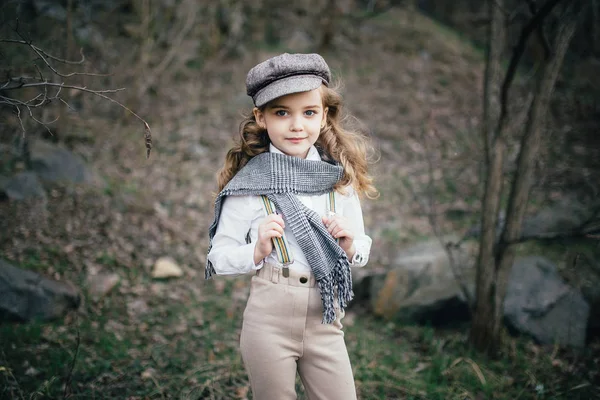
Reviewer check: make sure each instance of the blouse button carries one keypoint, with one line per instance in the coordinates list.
(303, 279)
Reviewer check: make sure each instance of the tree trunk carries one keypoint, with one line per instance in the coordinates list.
(482, 330)
(530, 145)
(494, 262)
(493, 70)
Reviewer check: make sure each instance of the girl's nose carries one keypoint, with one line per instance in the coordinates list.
(296, 125)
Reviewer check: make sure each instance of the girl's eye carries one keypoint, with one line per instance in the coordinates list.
(281, 113)
(310, 113)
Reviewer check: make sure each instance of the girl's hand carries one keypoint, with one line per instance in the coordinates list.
(339, 227)
(272, 226)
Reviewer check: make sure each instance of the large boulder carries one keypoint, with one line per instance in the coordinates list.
(540, 304)
(422, 286)
(22, 186)
(568, 214)
(27, 295)
(581, 269)
(53, 163)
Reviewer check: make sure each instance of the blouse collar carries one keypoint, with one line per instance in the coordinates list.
(313, 153)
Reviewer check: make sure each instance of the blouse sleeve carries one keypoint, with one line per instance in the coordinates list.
(230, 254)
(353, 212)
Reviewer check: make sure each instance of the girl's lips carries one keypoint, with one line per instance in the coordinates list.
(295, 140)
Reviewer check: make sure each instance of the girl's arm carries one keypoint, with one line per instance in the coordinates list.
(230, 254)
(348, 226)
(362, 243)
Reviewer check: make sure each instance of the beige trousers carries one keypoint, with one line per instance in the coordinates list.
(282, 334)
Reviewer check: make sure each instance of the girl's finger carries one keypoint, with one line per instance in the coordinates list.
(276, 218)
(272, 233)
(274, 225)
(338, 227)
(337, 231)
(268, 233)
(332, 225)
(344, 233)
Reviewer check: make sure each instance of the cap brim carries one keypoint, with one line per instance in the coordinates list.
(289, 85)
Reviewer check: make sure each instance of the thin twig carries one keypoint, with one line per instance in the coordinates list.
(44, 56)
(62, 85)
(25, 42)
(20, 120)
(45, 125)
(69, 377)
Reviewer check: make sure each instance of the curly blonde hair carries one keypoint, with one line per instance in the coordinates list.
(349, 147)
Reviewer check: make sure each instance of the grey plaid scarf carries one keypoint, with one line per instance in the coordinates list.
(281, 178)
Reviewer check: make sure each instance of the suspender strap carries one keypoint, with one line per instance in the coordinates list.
(331, 202)
(281, 245)
(331, 207)
(282, 248)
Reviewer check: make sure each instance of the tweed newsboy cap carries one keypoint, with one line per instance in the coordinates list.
(286, 74)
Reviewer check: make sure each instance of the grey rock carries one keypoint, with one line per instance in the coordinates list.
(430, 261)
(540, 304)
(406, 297)
(27, 295)
(567, 215)
(422, 286)
(56, 164)
(23, 186)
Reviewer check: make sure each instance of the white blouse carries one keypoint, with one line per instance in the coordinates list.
(241, 215)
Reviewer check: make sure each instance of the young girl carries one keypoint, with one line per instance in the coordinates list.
(288, 209)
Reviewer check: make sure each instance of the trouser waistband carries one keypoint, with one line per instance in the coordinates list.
(274, 273)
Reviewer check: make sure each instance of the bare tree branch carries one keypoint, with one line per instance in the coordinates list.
(44, 97)
(534, 23)
(44, 53)
(62, 85)
(20, 120)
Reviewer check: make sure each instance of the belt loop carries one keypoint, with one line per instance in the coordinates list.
(275, 274)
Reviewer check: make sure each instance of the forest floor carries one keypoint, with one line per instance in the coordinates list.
(413, 84)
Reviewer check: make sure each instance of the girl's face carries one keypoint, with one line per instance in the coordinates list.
(293, 122)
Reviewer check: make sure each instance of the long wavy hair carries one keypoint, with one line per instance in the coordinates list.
(350, 147)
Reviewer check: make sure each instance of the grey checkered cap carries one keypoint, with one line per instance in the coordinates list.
(286, 74)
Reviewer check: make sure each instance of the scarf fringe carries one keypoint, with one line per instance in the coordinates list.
(340, 282)
(209, 271)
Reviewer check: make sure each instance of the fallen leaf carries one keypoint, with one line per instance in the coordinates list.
(149, 373)
(421, 366)
(242, 392)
